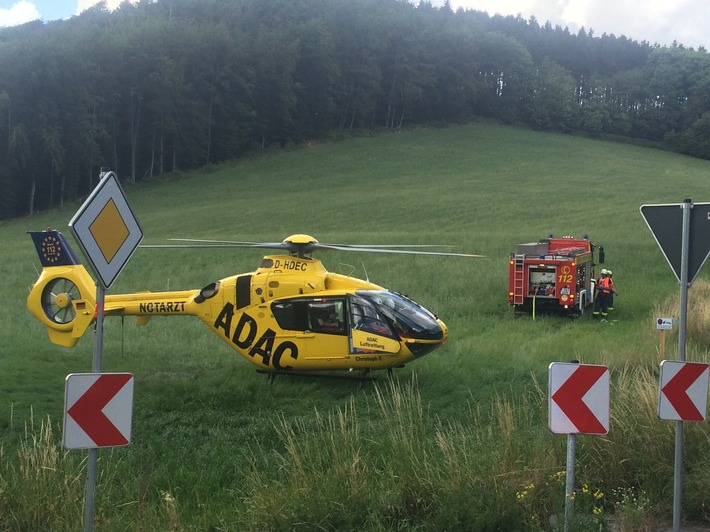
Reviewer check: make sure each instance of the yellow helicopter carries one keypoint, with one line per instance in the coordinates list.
(289, 316)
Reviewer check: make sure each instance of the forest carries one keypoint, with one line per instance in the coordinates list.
(169, 85)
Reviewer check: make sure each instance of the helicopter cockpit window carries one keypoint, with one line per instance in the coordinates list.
(364, 316)
(321, 315)
(403, 315)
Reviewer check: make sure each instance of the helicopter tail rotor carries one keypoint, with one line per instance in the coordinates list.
(63, 299)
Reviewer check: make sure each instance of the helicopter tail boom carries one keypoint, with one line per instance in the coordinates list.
(148, 304)
(63, 299)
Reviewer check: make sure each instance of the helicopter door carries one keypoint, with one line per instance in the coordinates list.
(317, 325)
(326, 319)
(369, 331)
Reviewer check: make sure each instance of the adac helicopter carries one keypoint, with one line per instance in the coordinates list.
(289, 316)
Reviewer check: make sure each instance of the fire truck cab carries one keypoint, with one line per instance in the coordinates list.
(554, 274)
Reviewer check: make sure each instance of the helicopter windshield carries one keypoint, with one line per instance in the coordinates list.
(395, 312)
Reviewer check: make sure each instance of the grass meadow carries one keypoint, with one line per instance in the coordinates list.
(456, 441)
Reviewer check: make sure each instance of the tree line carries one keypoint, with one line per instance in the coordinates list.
(166, 85)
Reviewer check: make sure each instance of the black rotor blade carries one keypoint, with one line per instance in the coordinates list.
(279, 245)
(232, 242)
(308, 247)
(400, 251)
(219, 244)
(357, 247)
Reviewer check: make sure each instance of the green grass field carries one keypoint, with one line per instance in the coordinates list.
(458, 440)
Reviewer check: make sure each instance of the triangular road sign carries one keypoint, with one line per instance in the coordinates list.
(666, 224)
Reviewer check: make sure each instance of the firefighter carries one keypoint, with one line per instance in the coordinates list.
(601, 300)
(610, 305)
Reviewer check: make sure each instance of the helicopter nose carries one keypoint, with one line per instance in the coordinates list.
(444, 330)
(438, 332)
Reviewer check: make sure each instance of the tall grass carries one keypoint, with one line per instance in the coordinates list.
(698, 319)
(404, 468)
(41, 485)
(492, 469)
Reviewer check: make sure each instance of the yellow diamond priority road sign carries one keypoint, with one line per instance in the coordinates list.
(106, 229)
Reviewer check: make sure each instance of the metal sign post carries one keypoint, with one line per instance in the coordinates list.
(693, 222)
(578, 404)
(108, 233)
(569, 479)
(89, 505)
(682, 328)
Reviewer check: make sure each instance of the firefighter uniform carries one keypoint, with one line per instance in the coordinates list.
(610, 304)
(605, 287)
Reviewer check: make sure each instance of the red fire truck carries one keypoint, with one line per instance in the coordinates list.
(554, 274)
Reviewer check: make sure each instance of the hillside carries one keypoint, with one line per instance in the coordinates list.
(165, 85)
(214, 445)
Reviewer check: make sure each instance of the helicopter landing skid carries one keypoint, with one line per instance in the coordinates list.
(361, 377)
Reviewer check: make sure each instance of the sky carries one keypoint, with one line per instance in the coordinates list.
(656, 21)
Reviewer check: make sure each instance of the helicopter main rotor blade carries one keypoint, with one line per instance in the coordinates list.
(400, 251)
(305, 247)
(191, 246)
(199, 243)
(232, 242)
(279, 245)
(358, 247)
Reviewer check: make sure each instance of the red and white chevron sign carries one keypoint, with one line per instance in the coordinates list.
(579, 398)
(684, 391)
(98, 410)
